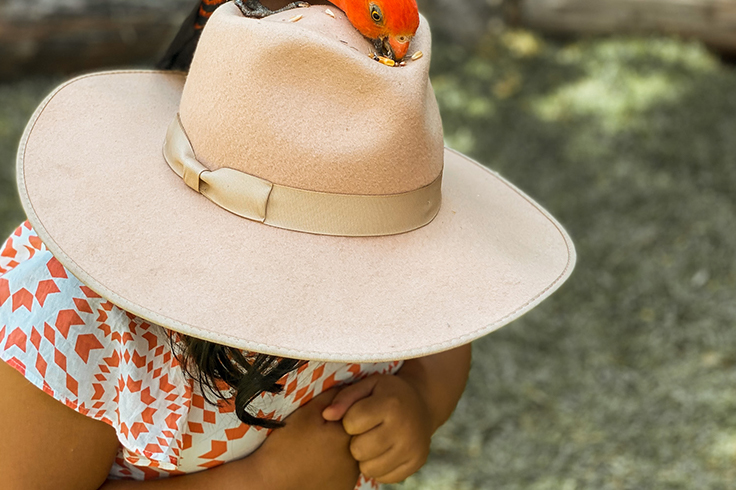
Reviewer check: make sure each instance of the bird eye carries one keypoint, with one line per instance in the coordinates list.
(376, 14)
(402, 39)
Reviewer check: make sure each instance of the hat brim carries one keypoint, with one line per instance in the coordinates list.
(97, 190)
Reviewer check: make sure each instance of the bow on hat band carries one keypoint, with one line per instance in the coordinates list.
(321, 213)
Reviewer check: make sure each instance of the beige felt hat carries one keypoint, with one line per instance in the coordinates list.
(291, 196)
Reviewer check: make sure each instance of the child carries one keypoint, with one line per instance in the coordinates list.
(136, 302)
(60, 299)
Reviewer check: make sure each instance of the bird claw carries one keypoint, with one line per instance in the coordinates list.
(254, 9)
(384, 48)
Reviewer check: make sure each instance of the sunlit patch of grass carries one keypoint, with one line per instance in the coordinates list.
(723, 449)
(522, 43)
(621, 80)
(615, 101)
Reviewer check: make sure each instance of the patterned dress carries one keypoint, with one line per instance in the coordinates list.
(112, 366)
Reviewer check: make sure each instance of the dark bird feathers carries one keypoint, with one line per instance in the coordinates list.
(181, 51)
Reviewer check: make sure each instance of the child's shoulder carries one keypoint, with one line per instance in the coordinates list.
(38, 293)
(87, 353)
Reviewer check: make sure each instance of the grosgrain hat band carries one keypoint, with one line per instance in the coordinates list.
(302, 210)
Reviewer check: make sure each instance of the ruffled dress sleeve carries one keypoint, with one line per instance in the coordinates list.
(90, 355)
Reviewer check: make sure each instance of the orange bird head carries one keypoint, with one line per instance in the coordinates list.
(391, 24)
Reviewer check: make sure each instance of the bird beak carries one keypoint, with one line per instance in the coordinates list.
(399, 49)
(385, 48)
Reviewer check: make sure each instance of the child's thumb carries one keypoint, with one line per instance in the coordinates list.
(347, 397)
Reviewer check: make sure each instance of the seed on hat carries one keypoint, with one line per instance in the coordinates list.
(403, 63)
(386, 61)
(330, 13)
(417, 55)
(296, 18)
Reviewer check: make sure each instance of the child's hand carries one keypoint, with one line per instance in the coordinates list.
(390, 423)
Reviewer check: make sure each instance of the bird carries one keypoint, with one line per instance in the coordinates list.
(389, 24)
(255, 9)
(180, 52)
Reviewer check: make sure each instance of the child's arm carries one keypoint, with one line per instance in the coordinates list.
(392, 418)
(47, 445)
(441, 379)
(307, 453)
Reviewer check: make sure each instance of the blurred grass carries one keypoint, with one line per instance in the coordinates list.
(17, 103)
(624, 378)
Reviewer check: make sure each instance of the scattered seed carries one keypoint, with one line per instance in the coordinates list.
(417, 55)
(386, 61)
(296, 18)
(330, 13)
(403, 63)
(303, 5)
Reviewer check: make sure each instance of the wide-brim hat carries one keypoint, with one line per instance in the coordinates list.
(318, 231)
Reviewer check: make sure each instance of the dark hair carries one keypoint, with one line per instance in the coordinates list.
(246, 375)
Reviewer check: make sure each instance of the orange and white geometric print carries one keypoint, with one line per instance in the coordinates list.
(112, 366)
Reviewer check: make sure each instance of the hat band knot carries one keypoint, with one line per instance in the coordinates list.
(321, 213)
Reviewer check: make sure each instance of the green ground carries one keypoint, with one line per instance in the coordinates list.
(624, 379)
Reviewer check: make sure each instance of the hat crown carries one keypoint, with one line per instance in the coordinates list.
(301, 104)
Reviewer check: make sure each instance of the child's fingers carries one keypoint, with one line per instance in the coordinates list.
(365, 415)
(370, 445)
(348, 396)
(388, 465)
